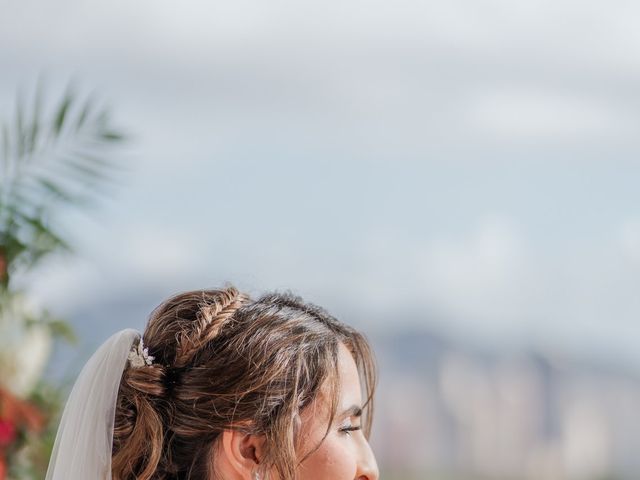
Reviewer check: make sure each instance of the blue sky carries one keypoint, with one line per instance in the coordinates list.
(469, 165)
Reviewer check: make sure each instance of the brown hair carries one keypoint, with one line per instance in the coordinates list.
(224, 361)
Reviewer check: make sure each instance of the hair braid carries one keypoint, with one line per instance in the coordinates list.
(214, 313)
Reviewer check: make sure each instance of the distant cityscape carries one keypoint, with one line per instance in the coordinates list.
(462, 413)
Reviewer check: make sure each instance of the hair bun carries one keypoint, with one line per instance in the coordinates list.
(139, 422)
(148, 380)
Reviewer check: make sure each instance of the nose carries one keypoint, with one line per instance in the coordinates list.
(367, 465)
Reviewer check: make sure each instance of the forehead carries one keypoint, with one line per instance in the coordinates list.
(348, 383)
(348, 378)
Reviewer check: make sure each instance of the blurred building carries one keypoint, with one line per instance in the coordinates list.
(455, 410)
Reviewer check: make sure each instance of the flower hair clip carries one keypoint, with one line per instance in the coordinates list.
(139, 356)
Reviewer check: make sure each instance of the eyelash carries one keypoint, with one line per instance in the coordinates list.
(351, 428)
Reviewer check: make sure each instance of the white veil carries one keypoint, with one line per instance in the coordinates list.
(82, 449)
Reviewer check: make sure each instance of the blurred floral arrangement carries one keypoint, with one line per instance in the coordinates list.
(54, 155)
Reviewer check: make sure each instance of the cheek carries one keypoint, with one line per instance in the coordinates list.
(334, 460)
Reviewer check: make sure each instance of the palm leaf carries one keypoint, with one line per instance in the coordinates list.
(47, 164)
(61, 112)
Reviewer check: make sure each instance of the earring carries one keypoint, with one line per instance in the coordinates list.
(256, 476)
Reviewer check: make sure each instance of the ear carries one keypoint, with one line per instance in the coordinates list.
(243, 452)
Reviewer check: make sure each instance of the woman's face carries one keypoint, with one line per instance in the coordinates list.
(345, 453)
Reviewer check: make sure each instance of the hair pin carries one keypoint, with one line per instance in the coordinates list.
(139, 356)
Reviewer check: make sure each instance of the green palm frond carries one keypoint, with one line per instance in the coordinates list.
(51, 157)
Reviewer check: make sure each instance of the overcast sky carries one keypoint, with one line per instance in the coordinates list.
(471, 164)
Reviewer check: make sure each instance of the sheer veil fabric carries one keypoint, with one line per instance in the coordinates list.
(83, 445)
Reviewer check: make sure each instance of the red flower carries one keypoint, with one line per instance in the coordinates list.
(7, 432)
(19, 412)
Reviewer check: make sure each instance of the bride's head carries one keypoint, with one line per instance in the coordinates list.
(272, 388)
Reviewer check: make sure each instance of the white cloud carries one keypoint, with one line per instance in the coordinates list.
(481, 277)
(511, 113)
(491, 282)
(154, 253)
(476, 277)
(629, 238)
(138, 257)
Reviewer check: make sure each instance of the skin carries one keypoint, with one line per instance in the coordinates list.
(344, 454)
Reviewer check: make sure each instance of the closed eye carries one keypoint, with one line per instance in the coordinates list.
(353, 412)
(350, 428)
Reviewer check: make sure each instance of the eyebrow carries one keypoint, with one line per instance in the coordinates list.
(352, 411)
